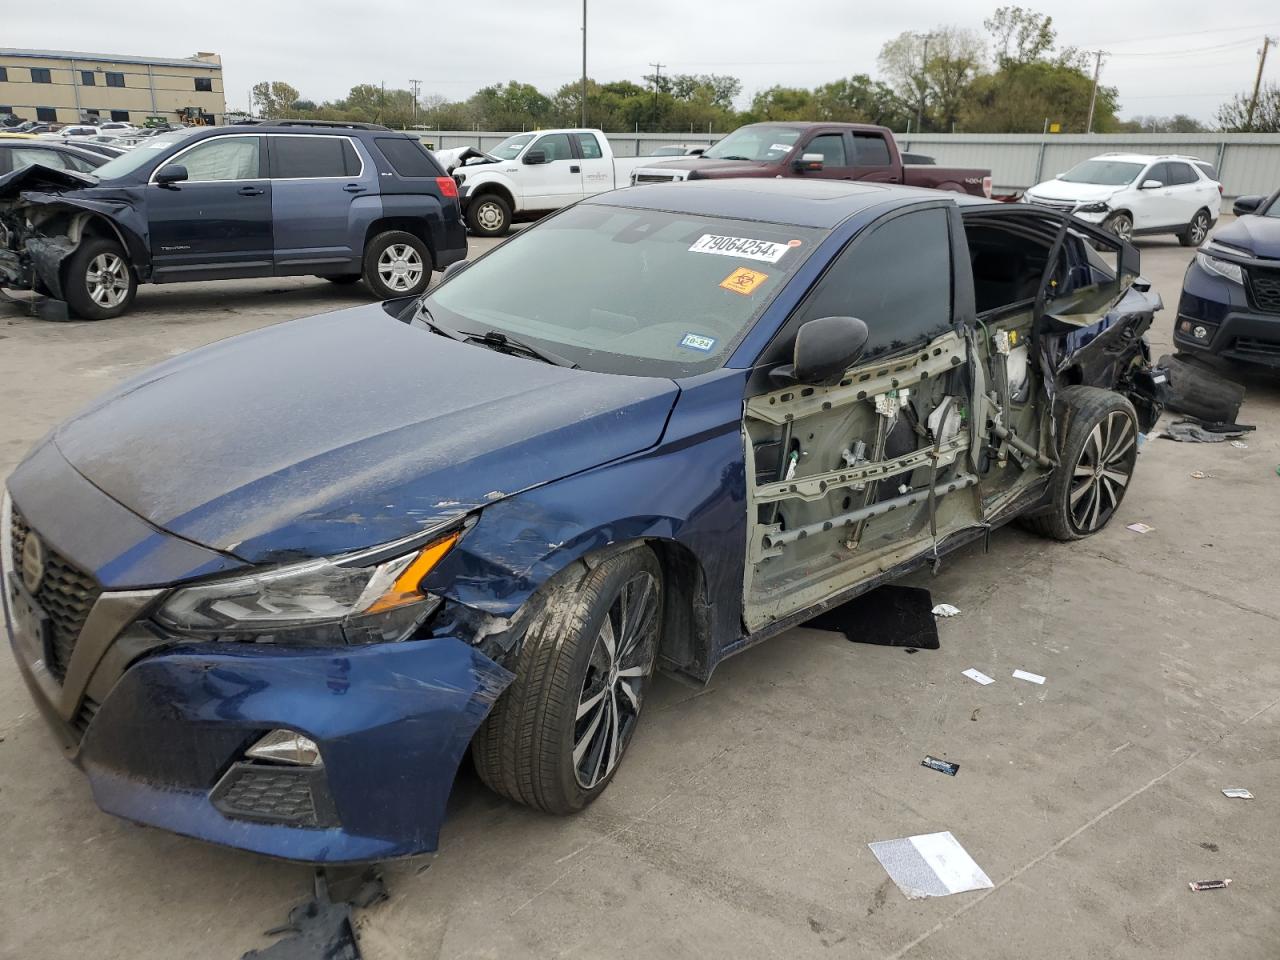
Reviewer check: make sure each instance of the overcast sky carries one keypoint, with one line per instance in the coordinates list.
(1171, 56)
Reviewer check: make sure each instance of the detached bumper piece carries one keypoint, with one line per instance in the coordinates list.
(266, 793)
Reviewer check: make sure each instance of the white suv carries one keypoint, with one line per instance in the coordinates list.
(1134, 193)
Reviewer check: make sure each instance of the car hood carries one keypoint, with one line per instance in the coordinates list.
(347, 430)
(1078, 192)
(709, 167)
(1257, 236)
(39, 177)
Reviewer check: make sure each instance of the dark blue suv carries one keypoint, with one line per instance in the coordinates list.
(341, 201)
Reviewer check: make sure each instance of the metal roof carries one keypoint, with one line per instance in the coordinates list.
(107, 58)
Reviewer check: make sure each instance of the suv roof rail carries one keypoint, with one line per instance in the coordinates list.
(342, 124)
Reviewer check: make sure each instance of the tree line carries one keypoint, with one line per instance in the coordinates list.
(1014, 78)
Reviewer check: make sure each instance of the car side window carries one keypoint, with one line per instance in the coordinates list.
(308, 158)
(589, 146)
(1180, 173)
(25, 156)
(870, 150)
(73, 162)
(831, 146)
(221, 158)
(1158, 171)
(555, 146)
(896, 280)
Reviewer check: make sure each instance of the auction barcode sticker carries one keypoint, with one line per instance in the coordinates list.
(742, 247)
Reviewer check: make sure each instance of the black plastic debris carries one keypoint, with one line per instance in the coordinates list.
(1198, 885)
(942, 766)
(890, 616)
(1192, 430)
(322, 928)
(1196, 390)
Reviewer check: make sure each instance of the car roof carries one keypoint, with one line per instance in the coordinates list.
(1146, 157)
(799, 202)
(322, 129)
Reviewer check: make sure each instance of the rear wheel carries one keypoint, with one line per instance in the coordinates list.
(1121, 224)
(556, 736)
(396, 264)
(1098, 458)
(488, 215)
(1196, 230)
(98, 281)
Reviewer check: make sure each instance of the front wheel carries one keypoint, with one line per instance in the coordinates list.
(1120, 224)
(396, 264)
(1196, 230)
(488, 215)
(98, 281)
(1099, 454)
(556, 736)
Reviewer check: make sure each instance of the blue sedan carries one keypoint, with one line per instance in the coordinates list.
(270, 593)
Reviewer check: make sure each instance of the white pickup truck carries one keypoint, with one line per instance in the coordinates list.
(532, 174)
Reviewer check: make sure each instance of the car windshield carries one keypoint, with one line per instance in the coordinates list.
(510, 148)
(1104, 173)
(139, 156)
(619, 290)
(1273, 210)
(755, 143)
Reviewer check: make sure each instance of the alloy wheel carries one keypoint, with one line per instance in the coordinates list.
(1199, 228)
(489, 215)
(1103, 471)
(400, 267)
(107, 280)
(613, 690)
(1122, 227)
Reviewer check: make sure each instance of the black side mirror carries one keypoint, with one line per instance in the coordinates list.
(825, 348)
(1246, 205)
(173, 173)
(454, 269)
(535, 157)
(809, 161)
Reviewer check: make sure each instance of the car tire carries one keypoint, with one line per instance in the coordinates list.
(1098, 455)
(98, 281)
(396, 264)
(1120, 224)
(345, 279)
(556, 736)
(489, 215)
(1196, 230)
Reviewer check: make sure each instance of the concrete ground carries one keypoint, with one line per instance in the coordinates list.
(738, 826)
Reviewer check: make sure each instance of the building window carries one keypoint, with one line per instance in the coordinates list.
(95, 114)
(4, 74)
(120, 116)
(87, 79)
(115, 79)
(204, 84)
(46, 114)
(40, 75)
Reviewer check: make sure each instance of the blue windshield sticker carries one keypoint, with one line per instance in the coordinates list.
(695, 341)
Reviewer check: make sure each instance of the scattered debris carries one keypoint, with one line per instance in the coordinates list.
(1023, 675)
(942, 766)
(974, 716)
(891, 616)
(1201, 475)
(1239, 444)
(912, 650)
(1197, 391)
(1197, 431)
(977, 676)
(1198, 885)
(930, 865)
(1237, 793)
(1139, 528)
(945, 610)
(321, 928)
(1211, 847)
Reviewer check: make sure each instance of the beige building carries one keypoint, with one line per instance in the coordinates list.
(68, 87)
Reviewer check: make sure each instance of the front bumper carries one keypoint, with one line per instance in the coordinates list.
(1235, 329)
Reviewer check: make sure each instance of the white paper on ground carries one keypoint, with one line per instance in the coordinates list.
(977, 676)
(945, 610)
(1023, 675)
(1237, 793)
(930, 865)
(1139, 528)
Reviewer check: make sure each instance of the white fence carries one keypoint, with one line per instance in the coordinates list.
(1246, 162)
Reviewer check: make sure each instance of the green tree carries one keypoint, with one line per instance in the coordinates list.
(272, 97)
(1233, 116)
(859, 99)
(515, 106)
(1020, 35)
(932, 72)
(1178, 123)
(782, 103)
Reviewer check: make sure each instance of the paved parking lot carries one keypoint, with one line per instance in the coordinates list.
(738, 825)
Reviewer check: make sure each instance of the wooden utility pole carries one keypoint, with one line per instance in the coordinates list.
(1257, 81)
(924, 66)
(584, 62)
(657, 72)
(1093, 97)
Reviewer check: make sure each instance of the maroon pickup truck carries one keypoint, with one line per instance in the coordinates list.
(832, 151)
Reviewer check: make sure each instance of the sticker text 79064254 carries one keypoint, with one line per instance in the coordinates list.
(744, 248)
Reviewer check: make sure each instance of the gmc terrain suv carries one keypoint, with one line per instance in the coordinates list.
(341, 201)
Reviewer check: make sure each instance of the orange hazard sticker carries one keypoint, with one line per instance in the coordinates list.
(744, 280)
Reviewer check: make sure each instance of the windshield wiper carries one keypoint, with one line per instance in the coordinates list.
(732, 156)
(424, 315)
(508, 344)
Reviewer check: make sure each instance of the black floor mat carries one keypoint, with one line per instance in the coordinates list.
(891, 616)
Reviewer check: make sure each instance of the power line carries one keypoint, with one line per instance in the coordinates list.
(1198, 33)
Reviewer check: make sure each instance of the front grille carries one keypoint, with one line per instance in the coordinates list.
(66, 594)
(1066, 206)
(84, 716)
(1260, 349)
(655, 177)
(273, 794)
(1264, 285)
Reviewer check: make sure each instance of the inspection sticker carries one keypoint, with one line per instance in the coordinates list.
(696, 341)
(743, 247)
(744, 280)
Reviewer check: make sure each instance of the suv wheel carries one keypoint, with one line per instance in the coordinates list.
(98, 281)
(1121, 224)
(396, 264)
(556, 736)
(1099, 453)
(1196, 230)
(488, 215)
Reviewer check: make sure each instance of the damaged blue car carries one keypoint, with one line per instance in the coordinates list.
(270, 593)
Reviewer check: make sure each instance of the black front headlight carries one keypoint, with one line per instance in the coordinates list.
(358, 598)
(1099, 206)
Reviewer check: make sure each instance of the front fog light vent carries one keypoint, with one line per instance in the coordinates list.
(286, 746)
